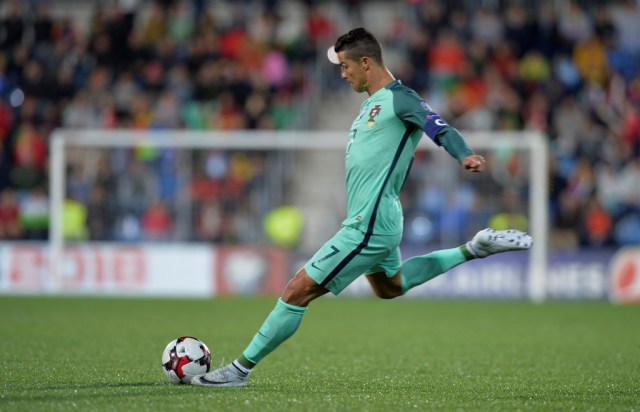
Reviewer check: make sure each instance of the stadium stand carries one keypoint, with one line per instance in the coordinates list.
(570, 69)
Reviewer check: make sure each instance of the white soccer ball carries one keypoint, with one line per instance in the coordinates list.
(184, 358)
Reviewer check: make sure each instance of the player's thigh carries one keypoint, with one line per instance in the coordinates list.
(384, 276)
(388, 266)
(345, 257)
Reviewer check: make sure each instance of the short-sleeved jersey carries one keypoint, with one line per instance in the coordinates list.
(379, 154)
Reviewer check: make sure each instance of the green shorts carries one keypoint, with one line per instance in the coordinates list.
(351, 253)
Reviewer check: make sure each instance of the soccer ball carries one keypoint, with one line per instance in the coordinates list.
(184, 358)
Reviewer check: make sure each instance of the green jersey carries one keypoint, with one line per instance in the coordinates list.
(382, 142)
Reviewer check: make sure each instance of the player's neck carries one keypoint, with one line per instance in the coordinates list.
(378, 79)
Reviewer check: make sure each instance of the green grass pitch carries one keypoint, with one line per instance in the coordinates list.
(103, 354)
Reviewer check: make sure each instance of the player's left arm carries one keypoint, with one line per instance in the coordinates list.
(416, 111)
(474, 163)
(450, 138)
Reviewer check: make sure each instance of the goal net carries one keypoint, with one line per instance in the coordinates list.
(221, 188)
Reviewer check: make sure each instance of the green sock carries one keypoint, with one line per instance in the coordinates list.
(420, 269)
(281, 323)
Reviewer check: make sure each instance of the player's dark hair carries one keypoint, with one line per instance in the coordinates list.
(359, 43)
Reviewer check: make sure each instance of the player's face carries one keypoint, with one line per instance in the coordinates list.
(353, 72)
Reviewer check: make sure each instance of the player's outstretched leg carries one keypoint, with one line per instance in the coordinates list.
(490, 241)
(421, 269)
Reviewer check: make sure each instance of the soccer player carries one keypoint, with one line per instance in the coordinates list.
(379, 152)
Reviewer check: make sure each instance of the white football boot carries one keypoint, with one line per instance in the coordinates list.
(225, 376)
(490, 241)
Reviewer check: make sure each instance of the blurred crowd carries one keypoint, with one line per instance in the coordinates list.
(570, 69)
(139, 65)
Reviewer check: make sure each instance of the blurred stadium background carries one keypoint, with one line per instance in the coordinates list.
(203, 219)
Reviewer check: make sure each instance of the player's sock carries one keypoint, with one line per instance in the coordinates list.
(246, 363)
(240, 367)
(281, 323)
(420, 269)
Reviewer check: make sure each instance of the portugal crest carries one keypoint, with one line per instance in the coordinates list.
(372, 115)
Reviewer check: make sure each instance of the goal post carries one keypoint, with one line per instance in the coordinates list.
(532, 144)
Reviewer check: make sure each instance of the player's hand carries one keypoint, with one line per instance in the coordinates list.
(474, 163)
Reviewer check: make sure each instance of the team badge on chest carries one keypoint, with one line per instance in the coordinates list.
(372, 115)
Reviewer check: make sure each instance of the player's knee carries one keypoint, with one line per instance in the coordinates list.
(388, 292)
(385, 287)
(301, 290)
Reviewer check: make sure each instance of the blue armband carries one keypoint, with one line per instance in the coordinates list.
(432, 126)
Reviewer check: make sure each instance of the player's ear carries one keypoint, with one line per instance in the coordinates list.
(365, 62)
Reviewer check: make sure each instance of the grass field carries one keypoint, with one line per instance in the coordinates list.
(104, 354)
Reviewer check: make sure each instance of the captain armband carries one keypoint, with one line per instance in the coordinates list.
(433, 125)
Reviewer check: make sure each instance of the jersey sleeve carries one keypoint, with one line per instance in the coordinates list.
(417, 112)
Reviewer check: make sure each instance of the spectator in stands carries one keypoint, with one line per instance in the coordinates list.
(590, 58)
(154, 27)
(77, 184)
(519, 29)
(167, 111)
(180, 22)
(74, 220)
(574, 24)
(138, 190)
(6, 122)
(511, 213)
(487, 26)
(100, 216)
(10, 228)
(625, 17)
(156, 222)
(34, 214)
(5, 166)
(12, 26)
(30, 156)
(546, 30)
(596, 227)
(208, 220)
